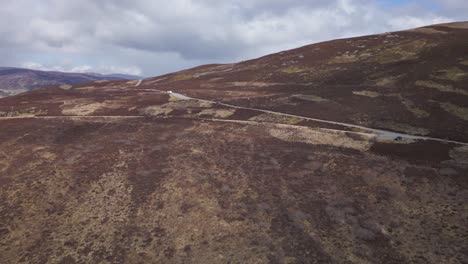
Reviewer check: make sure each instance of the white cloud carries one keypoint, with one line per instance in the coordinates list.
(155, 36)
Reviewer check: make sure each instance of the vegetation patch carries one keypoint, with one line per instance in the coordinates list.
(427, 30)
(418, 112)
(319, 137)
(156, 110)
(254, 84)
(461, 112)
(465, 62)
(309, 97)
(182, 77)
(462, 25)
(293, 69)
(387, 81)
(80, 109)
(276, 118)
(401, 52)
(173, 98)
(345, 58)
(441, 87)
(460, 154)
(218, 113)
(33, 111)
(65, 87)
(451, 74)
(367, 93)
(401, 127)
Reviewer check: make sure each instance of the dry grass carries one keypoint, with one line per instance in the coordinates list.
(310, 97)
(318, 137)
(217, 113)
(367, 93)
(402, 52)
(274, 118)
(410, 106)
(405, 128)
(293, 69)
(452, 74)
(182, 77)
(65, 87)
(428, 31)
(460, 154)
(460, 112)
(345, 58)
(156, 110)
(30, 112)
(440, 87)
(463, 25)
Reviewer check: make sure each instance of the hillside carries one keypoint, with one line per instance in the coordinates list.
(348, 151)
(413, 81)
(17, 80)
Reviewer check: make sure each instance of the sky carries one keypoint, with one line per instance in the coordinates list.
(153, 37)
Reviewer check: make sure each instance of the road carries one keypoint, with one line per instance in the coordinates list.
(380, 134)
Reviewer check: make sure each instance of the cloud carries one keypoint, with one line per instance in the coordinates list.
(155, 36)
(83, 68)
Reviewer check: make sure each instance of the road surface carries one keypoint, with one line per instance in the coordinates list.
(380, 134)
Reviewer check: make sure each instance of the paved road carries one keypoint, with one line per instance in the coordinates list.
(380, 134)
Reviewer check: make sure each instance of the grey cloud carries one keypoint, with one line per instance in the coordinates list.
(158, 36)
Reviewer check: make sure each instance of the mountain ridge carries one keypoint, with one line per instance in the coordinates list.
(17, 80)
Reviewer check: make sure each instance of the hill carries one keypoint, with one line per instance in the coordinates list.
(17, 80)
(349, 151)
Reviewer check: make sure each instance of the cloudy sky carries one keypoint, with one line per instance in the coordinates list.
(152, 37)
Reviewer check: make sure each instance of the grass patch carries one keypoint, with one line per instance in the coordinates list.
(452, 74)
(275, 118)
(367, 93)
(410, 106)
(405, 128)
(217, 113)
(65, 87)
(399, 52)
(428, 31)
(460, 112)
(441, 87)
(459, 154)
(345, 58)
(174, 98)
(310, 97)
(293, 69)
(182, 77)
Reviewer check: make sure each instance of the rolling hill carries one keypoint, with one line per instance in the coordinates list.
(347, 151)
(18, 80)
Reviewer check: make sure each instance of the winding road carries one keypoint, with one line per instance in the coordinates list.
(379, 133)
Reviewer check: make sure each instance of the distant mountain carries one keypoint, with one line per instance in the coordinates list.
(18, 80)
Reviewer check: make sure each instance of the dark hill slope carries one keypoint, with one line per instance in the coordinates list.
(413, 81)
